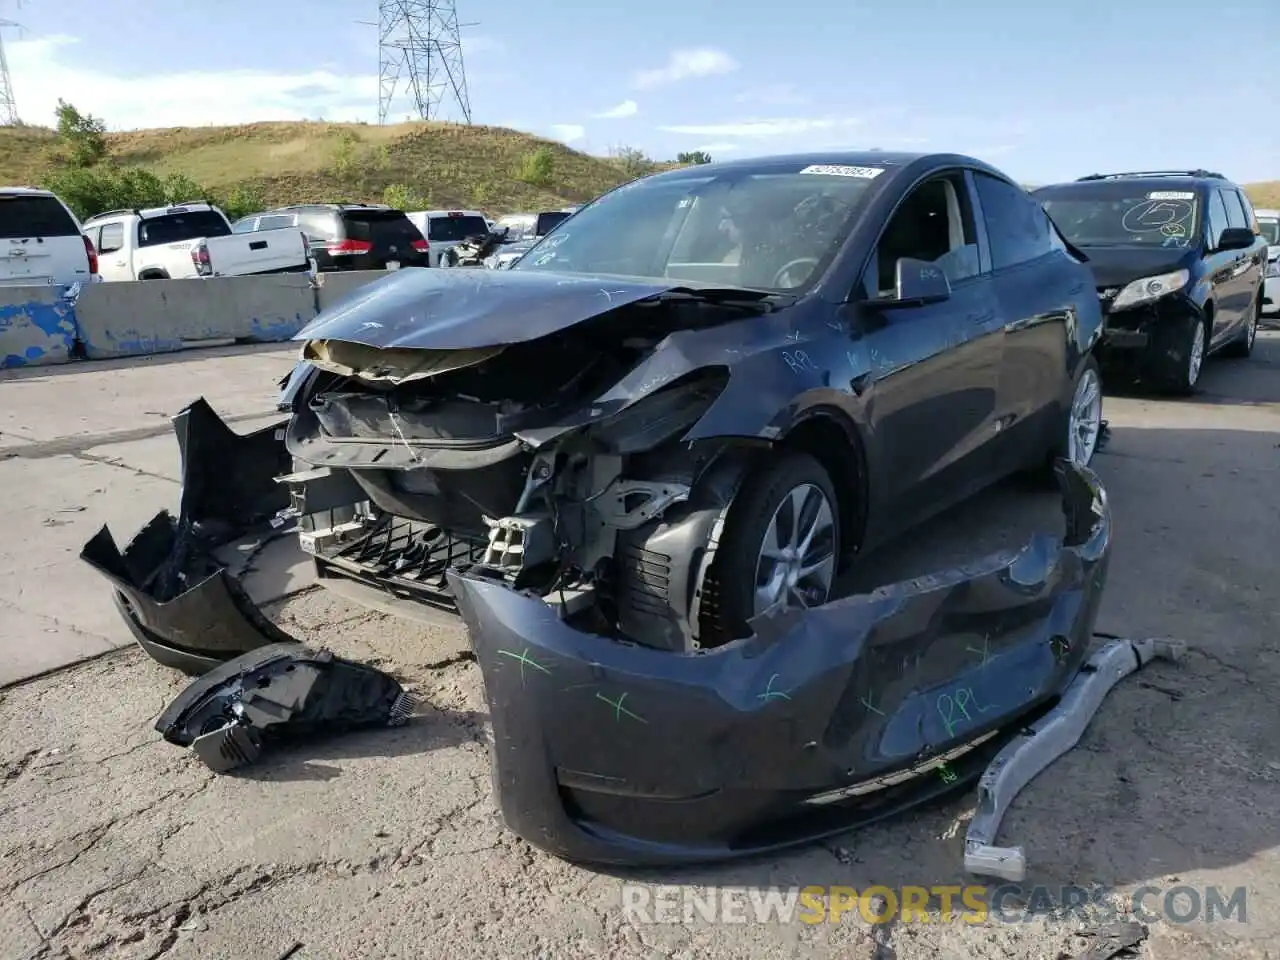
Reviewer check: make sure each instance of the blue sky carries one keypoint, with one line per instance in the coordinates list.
(1044, 91)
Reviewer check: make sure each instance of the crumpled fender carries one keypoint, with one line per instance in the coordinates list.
(822, 720)
(183, 606)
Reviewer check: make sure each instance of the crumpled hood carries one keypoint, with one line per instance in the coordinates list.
(466, 309)
(1116, 266)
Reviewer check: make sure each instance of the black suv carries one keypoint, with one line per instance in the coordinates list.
(348, 236)
(1179, 261)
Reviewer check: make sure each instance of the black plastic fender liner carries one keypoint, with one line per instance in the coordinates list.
(281, 691)
(183, 606)
(829, 718)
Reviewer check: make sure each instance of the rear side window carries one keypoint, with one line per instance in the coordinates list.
(177, 227)
(1017, 227)
(548, 222)
(320, 226)
(448, 229)
(1235, 212)
(278, 222)
(112, 238)
(380, 227)
(23, 215)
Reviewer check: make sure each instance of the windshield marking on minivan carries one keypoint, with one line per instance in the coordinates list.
(1171, 195)
(1152, 215)
(840, 170)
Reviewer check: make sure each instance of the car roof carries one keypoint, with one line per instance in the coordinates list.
(894, 162)
(454, 212)
(28, 191)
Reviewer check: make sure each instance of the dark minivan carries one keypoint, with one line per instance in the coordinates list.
(349, 236)
(1178, 260)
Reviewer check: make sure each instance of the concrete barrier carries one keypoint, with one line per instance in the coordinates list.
(37, 326)
(134, 318)
(331, 288)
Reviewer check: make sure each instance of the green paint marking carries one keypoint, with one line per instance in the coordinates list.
(618, 709)
(946, 773)
(770, 693)
(524, 660)
(867, 703)
(984, 653)
(1060, 647)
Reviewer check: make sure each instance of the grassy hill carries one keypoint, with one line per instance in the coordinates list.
(430, 164)
(427, 165)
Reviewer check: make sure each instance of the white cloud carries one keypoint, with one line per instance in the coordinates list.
(684, 65)
(778, 127)
(481, 44)
(567, 132)
(718, 148)
(53, 66)
(627, 108)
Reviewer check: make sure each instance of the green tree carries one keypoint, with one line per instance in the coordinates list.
(242, 201)
(694, 157)
(537, 167)
(634, 162)
(83, 136)
(403, 197)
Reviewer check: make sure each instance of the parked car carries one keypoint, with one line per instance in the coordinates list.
(41, 241)
(1269, 225)
(445, 229)
(509, 252)
(187, 240)
(905, 329)
(1178, 263)
(349, 236)
(531, 226)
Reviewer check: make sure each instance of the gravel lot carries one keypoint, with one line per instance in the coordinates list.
(386, 844)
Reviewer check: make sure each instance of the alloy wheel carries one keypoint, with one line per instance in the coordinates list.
(1085, 420)
(796, 564)
(1195, 356)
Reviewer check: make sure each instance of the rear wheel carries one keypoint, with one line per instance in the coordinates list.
(1243, 345)
(1080, 427)
(780, 546)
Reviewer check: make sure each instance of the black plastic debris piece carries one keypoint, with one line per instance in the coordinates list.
(282, 691)
(183, 606)
(1114, 940)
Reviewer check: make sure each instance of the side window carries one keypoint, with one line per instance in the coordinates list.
(935, 223)
(1235, 212)
(243, 226)
(1250, 218)
(317, 226)
(1017, 225)
(112, 238)
(1217, 218)
(277, 222)
(95, 236)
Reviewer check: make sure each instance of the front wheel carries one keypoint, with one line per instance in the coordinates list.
(1182, 357)
(780, 547)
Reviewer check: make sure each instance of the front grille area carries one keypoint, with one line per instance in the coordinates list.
(406, 557)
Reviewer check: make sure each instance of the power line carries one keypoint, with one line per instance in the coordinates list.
(420, 52)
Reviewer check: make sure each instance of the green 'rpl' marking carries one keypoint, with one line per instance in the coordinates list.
(524, 659)
(946, 773)
(770, 693)
(618, 708)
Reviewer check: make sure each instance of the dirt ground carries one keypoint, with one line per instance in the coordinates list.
(386, 844)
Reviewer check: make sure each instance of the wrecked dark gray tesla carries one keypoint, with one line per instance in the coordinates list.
(636, 463)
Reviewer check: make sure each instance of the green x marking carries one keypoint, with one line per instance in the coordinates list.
(867, 703)
(524, 660)
(770, 693)
(618, 708)
(984, 653)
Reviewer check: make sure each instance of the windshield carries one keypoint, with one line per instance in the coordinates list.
(762, 229)
(449, 229)
(1123, 214)
(1270, 231)
(179, 227)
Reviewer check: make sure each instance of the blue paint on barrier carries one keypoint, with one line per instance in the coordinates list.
(36, 332)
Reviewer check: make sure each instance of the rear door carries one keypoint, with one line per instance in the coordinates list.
(1037, 284)
(1230, 269)
(40, 242)
(388, 238)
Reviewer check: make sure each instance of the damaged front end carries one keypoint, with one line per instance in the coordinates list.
(830, 718)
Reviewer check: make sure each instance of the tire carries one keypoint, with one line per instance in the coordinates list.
(1061, 447)
(1242, 346)
(732, 578)
(1177, 373)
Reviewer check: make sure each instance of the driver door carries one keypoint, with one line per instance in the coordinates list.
(935, 366)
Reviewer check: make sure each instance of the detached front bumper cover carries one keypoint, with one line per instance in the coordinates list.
(184, 606)
(843, 714)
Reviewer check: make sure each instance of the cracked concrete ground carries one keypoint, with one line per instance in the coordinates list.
(385, 844)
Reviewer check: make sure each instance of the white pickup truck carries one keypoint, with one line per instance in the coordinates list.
(188, 240)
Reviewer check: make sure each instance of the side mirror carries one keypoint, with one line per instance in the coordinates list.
(1236, 238)
(917, 282)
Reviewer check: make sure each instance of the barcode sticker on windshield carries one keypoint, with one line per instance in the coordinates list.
(1171, 195)
(839, 170)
